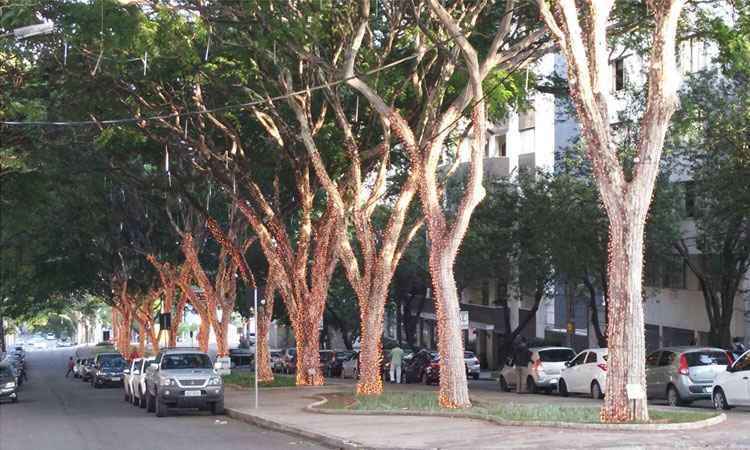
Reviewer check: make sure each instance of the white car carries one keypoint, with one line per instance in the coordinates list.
(127, 378)
(138, 382)
(585, 374)
(544, 369)
(732, 388)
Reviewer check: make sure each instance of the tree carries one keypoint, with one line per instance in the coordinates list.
(626, 194)
(710, 144)
(423, 141)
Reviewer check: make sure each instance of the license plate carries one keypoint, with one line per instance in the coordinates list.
(192, 393)
(115, 378)
(553, 381)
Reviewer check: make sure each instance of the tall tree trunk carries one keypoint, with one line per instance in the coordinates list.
(625, 329)
(370, 353)
(141, 340)
(262, 329)
(2, 334)
(222, 333)
(601, 338)
(204, 333)
(308, 357)
(454, 391)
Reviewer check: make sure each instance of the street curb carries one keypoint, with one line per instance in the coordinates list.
(239, 387)
(314, 408)
(320, 438)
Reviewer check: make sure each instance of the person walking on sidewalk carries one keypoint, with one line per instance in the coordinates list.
(397, 355)
(71, 365)
(522, 358)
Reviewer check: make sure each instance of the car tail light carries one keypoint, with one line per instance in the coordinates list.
(683, 370)
(602, 366)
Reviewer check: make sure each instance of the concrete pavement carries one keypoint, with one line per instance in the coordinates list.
(55, 413)
(285, 408)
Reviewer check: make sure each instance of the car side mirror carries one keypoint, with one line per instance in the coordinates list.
(154, 366)
(730, 368)
(126, 371)
(136, 372)
(568, 363)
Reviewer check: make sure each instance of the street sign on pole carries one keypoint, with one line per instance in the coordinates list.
(464, 315)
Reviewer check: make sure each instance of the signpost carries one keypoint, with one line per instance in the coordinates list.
(255, 308)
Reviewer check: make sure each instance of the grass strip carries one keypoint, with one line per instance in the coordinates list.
(247, 379)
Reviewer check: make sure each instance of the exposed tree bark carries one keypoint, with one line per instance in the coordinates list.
(601, 338)
(144, 315)
(263, 327)
(626, 200)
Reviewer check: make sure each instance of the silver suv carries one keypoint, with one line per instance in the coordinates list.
(183, 378)
(684, 374)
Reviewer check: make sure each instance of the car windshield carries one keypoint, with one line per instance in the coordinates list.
(275, 354)
(468, 355)
(706, 358)
(5, 372)
(113, 364)
(186, 361)
(343, 355)
(556, 355)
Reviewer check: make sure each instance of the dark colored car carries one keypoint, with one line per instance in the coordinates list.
(241, 357)
(8, 383)
(333, 368)
(109, 372)
(326, 359)
(423, 367)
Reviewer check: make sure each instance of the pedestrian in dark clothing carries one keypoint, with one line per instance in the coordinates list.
(71, 365)
(521, 358)
(739, 347)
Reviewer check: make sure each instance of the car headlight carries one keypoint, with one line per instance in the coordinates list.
(10, 385)
(167, 382)
(99, 373)
(214, 381)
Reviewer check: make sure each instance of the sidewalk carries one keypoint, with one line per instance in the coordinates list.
(284, 410)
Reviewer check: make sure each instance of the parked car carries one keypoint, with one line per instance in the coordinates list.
(544, 370)
(473, 368)
(127, 378)
(682, 375)
(277, 360)
(423, 367)
(289, 360)
(108, 372)
(241, 357)
(326, 359)
(139, 382)
(179, 378)
(732, 387)
(334, 366)
(8, 383)
(585, 374)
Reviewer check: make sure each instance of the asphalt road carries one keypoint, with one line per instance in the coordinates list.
(56, 413)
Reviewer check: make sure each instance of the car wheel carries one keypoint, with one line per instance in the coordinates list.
(720, 400)
(475, 376)
(161, 408)
(673, 397)
(127, 397)
(95, 384)
(150, 402)
(504, 384)
(596, 390)
(142, 400)
(14, 399)
(531, 385)
(217, 408)
(562, 387)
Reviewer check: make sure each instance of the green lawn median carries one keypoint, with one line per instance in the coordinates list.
(426, 402)
(247, 379)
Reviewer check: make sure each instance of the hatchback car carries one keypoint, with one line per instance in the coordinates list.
(732, 388)
(544, 369)
(682, 375)
(110, 371)
(350, 366)
(423, 367)
(585, 374)
(473, 367)
(8, 383)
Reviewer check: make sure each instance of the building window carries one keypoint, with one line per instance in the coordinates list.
(689, 199)
(526, 119)
(667, 273)
(618, 74)
(526, 163)
(500, 148)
